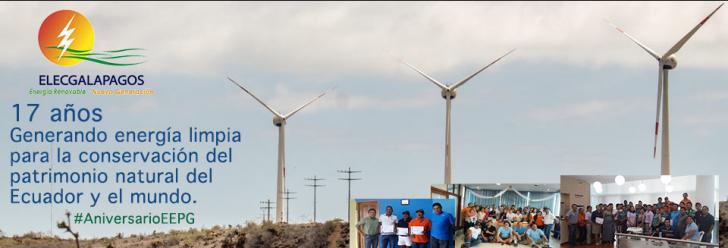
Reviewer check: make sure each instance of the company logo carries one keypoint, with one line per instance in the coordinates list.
(66, 38)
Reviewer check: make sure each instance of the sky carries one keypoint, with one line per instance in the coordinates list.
(576, 97)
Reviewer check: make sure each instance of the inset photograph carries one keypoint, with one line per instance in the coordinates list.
(493, 215)
(639, 211)
(402, 222)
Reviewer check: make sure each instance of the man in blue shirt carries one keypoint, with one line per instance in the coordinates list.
(675, 219)
(443, 225)
(520, 232)
(505, 234)
(536, 236)
(691, 231)
(571, 217)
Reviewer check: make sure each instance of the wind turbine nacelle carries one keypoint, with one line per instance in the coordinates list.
(278, 121)
(669, 63)
(446, 93)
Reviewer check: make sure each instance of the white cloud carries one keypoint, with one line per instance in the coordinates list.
(593, 109)
(711, 96)
(711, 118)
(386, 103)
(338, 39)
(703, 132)
(413, 147)
(285, 99)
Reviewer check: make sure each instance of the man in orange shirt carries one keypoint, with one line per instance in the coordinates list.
(582, 222)
(538, 219)
(420, 230)
(685, 199)
(465, 212)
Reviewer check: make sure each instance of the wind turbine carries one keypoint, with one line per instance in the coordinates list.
(665, 63)
(280, 121)
(448, 92)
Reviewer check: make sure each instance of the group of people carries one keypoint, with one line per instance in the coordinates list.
(507, 225)
(389, 231)
(667, 219)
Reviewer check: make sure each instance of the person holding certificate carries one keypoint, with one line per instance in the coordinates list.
(597, 220)
(420, 230)
(388, 221)
(403, 230)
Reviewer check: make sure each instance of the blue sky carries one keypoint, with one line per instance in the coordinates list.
(575, 98)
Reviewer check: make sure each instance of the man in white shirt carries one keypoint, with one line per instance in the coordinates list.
(473, 235)
(587, 215)
(388, 221)
(511, 216)
(648, 220)
(548, 222)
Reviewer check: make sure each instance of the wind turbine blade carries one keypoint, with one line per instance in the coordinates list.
(659, 106)
(441, 85)
(306, 104)
(685, 38)
(647, 49)
(256, 98)
(455, 86)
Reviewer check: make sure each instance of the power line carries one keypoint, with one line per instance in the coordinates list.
(315, 186)
(288, 197)
(348, 180)
(267, 208)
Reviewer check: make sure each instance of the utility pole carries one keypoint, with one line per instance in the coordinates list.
(288, 197)
(348, 178)
(267, 208)
(314, 184)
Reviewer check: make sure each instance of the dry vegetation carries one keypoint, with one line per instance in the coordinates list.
(332, 234)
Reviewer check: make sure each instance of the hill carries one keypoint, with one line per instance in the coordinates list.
(332, 234)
